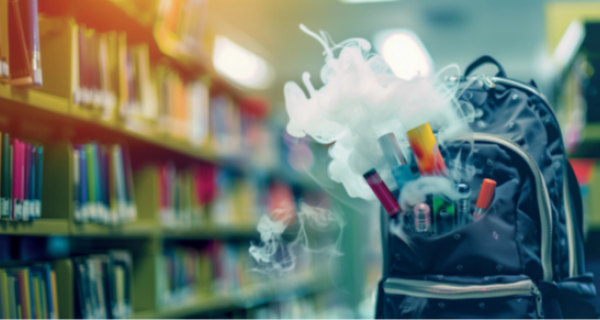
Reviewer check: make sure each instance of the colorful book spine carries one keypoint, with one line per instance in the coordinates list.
(103, 186)
(76, 185)
(83, 184)
(26, 173)
(40, 180)
(17, 180)
(5, 192)
(4, 39)
(33, 182)
(34, 38)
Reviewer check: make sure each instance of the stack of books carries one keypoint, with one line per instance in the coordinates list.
(20, 57)
(103, 286)
(28, 292)
(102, 184)
(21, 180)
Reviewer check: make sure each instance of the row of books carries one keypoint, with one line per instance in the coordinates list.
(20, 59)
(112, 74)
(184, 194)
(183, 105)
(184, 21)
(21, 179)
(102, 184)
(28, 292)
(186, 273)
(117, 79)
(103, 286)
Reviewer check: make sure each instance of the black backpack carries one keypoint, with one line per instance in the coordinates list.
(524, 258)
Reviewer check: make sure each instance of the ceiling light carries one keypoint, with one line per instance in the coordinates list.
(241, 66)
(404, 52)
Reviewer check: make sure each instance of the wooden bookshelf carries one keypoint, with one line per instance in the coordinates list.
(213, 232)
(133, 229)
(271, 290)
(52, 108)
(41, 227)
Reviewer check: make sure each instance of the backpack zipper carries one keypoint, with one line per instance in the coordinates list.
(541, 193)
(566, 194)
(438, 290)
(570, 226)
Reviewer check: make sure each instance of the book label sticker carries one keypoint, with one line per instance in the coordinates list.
(18, 208)
(5, 208)
(26, 210)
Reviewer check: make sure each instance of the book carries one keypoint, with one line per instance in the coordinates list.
(33, 180)
(84, 205)
(12, 297)
(40, 179)
(102, 285)
(26, 165)
(4, 40)
(4, 294)
(102, 183)
(5, 192)
(17, 180)
(76, 179)
(54, 314)
(24, 46)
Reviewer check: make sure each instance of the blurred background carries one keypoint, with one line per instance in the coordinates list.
(162, 125)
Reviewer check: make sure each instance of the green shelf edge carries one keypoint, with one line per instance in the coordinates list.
(305, 284)
(41, 227)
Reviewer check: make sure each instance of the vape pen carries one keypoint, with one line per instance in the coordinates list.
(395, 159)
(426, 150)
(422, 217)
(444, 215)
(485, 198)
(382, 192)
(463, 205)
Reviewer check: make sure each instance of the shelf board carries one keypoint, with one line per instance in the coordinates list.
(245, 298)
(212, 232)
(40, 227)
(136, 229)
(34, 98)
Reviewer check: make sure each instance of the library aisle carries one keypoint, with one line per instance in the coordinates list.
(134, 168)
(172, 159)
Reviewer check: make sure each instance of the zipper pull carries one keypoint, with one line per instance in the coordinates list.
(538, 301)
(489, 83)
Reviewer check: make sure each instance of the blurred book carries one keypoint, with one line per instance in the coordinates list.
(28, 292)
(21, 179)
(182, 105)
(180, 26)
(217, 269)
(21, 51)
(102, 286)
(102, 184)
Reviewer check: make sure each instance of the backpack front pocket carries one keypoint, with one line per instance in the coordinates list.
(491, 297)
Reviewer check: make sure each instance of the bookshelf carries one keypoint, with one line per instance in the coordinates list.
(270, 291)
(55, 117)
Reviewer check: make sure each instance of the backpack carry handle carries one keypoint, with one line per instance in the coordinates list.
(485, 60)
